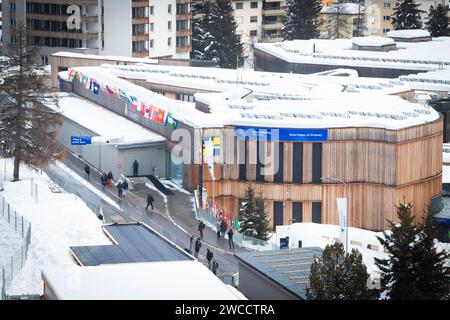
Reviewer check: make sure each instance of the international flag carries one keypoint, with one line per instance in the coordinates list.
(109, 91)
(123, 94)
(171, 122)
(236, 223)
(103, 87)
(134, 102)
(148, 111)
(143, 108)
(95, 87)
(71, 75)
(158, 115)
(217, 145)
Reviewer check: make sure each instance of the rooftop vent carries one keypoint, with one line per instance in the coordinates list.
(413, 35)
(373, 44)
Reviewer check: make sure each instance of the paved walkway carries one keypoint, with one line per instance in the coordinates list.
(174, 216)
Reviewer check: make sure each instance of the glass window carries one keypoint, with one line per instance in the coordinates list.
(254, 4)
(239, 5)
(254, 19)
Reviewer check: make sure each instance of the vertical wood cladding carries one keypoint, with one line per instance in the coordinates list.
(381, 168)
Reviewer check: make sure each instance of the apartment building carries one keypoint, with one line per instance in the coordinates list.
(249, 16)
(130, 28)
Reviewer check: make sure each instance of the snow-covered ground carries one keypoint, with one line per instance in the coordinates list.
(58, 220)
(10, 243)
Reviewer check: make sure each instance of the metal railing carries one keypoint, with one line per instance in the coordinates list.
(241, 240)
(17, 261)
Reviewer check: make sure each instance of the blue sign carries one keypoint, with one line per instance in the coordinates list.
(80, 141)
(300, 135)
(284, 243)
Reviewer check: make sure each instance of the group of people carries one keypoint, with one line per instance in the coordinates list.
(212, 263)
(107, 180)
(222, 229)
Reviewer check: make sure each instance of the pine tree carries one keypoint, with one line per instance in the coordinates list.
(200, 16)
(219, 41)
(407, 16)
(337, 25)
(301, 20)
(397, 271)
(339, 276)
(27, 130)
(438, 21)
(247, 213)
(262, 223)
(431, 266)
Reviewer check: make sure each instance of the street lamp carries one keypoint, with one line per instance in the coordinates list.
(347, 213)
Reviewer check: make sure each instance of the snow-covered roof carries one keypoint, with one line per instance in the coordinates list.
(438, 80)
(103, 122)
(100, 57)
(181, 280)
(409, 34)
(336, 110)
(344, 8)
(372, 41)
(339, 52)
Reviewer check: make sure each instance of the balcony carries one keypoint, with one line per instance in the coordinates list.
(64, 35)
(60, 18)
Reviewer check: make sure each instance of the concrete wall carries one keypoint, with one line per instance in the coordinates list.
(255, 286)
(161, 33)
(118, 28)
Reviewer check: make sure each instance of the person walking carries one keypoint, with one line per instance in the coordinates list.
(120, 189)
(215, 266)
(135, 168)
(125, 187)
(110, 179)
(201, 227)
(150, 201)
(230, 239)
(209, 257)
(198, 245)
(87, 170)
(223, 228)
(103, 180)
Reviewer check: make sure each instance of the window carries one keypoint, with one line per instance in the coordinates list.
(317, 163)
(169, 9)
(169, 42)
(151, 43)
(297, 165)
(387, 5)
(254, 19)
(242, 166)
(13, 40)
(386, 18)
(261, 151)
(279, 176)
(254, 5)
(12, 6)
(386, 30)
(253, 33)
(277, 214)
(152, 27)
(152, 10)
(317, 212)
(239, 5)
(169, 25)
(297, 212)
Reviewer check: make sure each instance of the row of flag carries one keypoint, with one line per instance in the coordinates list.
(146, 110)
(230, 218)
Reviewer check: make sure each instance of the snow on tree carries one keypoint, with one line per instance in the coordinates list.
(438, 21)
(262, 225)
(254, 219)
(407, 16)
(432, 267)
(247, 214)
(336, 24)
(301, 21)
(339, 276)
(214, 34)
(28, 130)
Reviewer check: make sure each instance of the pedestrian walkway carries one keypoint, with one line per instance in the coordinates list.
(173, 216)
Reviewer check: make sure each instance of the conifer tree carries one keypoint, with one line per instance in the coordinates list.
(339, 276)
(397, 271)
(438, 21)
(215, 37)
(28, 130)
(432, 267)
(407, 16)
(301, 20)
(262, 223)
(336, 23)
(200, 16)
(247, 214)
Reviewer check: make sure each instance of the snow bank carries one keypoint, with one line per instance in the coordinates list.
(372, 41)
(58, 221)
(408, 34)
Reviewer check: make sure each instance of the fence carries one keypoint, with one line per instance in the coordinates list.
(16, 262)
(240, 239)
